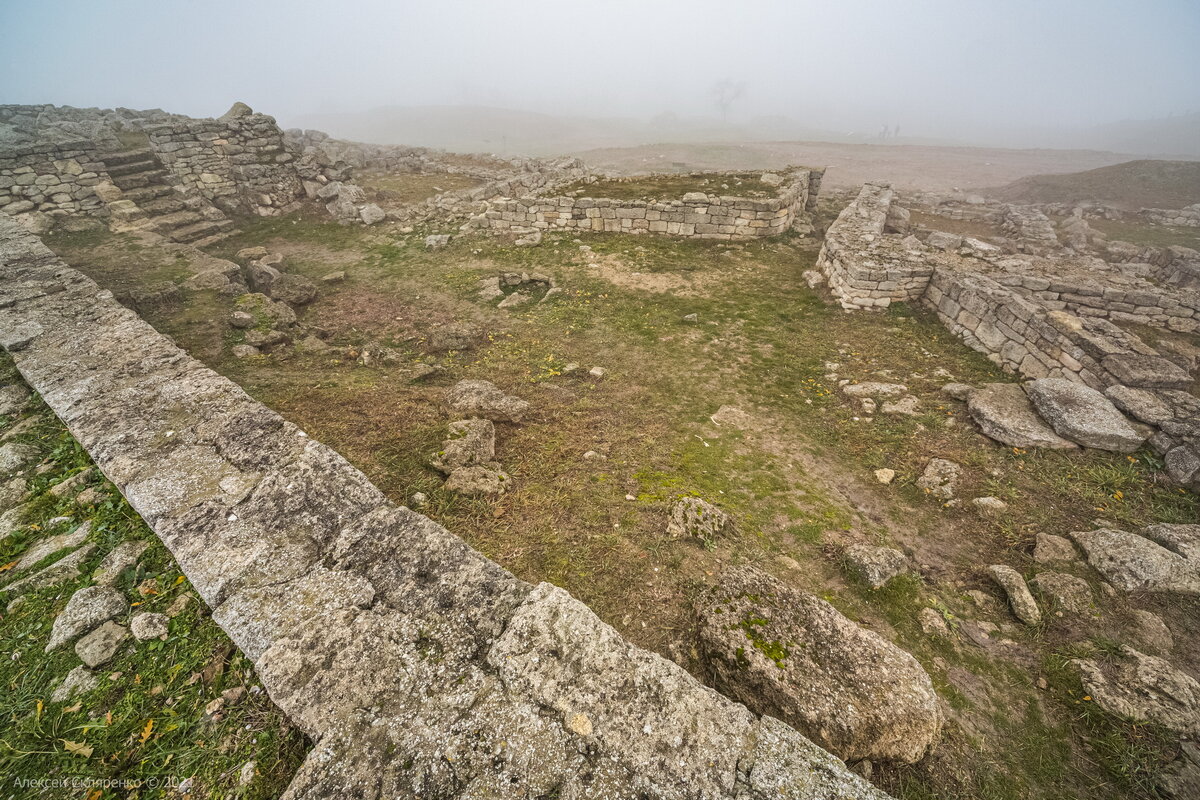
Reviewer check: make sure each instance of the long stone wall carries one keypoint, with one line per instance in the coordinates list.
(694, 215)
(418, 667)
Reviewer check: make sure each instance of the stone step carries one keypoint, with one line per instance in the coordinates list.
(214, 238)
(126, 157)
(147, 193)
(133, 167)
(200, 230)
(164, 204)
(166, 223)
(136, 181)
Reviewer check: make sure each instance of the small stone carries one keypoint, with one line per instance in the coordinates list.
(418, 500)
(121, 558)
(334, 277)
(78, 681)
(245, 351)
(85, 611)
(691, 317)
(101, 645)
(1065, 592)
(933, 623)
(251, 254)
(907, 406)
(478, 480)
(940, 478)
(885, 475)
(597, 372)
(989, 506)
(246, 773)
(691, 516)
(16, 456)
(1049, 548)
(484, 399)
(179, 605)
(241, 320)
(875, 565)
(874, 389)
(1019, 597)
(149, 626)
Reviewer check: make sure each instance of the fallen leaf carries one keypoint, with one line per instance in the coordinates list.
(8, 566)
(146, 731)
(40, 706)
(73, 708)
(77, 748)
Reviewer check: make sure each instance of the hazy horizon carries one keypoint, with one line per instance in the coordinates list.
(952, 71)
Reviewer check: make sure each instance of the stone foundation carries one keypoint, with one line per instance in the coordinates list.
(694, 215)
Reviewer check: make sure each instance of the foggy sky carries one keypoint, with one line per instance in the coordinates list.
(937, 67)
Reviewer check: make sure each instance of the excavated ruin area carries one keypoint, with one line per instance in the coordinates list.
(946, 439)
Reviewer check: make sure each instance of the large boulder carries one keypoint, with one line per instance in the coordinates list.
(1143, 688)
(1003, 412)
(1083, 415)
(1163, 560)
(790, 655)
(485, 400)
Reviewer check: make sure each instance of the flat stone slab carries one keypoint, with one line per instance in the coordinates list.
(86, 610)
(1083, 415)
(1003, 412)
(1138, 563)
(1147, 372)
(1144, 688)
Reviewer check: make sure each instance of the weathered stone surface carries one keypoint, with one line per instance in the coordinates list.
(483, 399)
(691, 516)
(1003, 412)
(876, 565)
(101, 645)
(119, 559)
(471, 442)
(989, 506)
(1049, 548)
(1152, 634)
(87, 609)
(149, 626)
(65, 569)
(940, 478)
(1019, 597)
(1065, 592)
(1141, 404)
(52, 544)
(874, 389)
(1180, 780)
(16, 456)
(296, 290)
(80, 680)
(478, 480)
(793, 656)
(1144, 688)
(13, 398)
(1136, 563)
(1147, 372)
(1083, 415)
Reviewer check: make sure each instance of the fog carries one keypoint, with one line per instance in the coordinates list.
(1022, 72)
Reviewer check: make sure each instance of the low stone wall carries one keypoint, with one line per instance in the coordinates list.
(53, 178)
(694, 215)
(418, 667)
(1019, 321)
(862, 271)
(1188, 217)
(240, 163)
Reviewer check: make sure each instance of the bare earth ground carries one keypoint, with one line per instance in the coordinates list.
(907, 167)
(796, 474)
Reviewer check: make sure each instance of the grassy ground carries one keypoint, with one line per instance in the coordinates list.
(148, 723)
(409, 188)
(797, 476)
(1143, 233)
(673, 187)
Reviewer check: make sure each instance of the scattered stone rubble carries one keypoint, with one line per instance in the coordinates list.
(1053, 317)
(526, 687)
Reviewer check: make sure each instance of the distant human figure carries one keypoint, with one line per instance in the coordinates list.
(883, 132)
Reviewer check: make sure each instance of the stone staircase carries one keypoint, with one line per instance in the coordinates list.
(142, 179)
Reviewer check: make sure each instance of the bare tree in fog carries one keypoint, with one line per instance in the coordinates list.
(726, 91)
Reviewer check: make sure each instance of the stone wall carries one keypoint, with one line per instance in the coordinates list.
(239, 162)
(417, 667)
(694, 215)
(1015, 316)
(1188, 217)
(53, 178)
